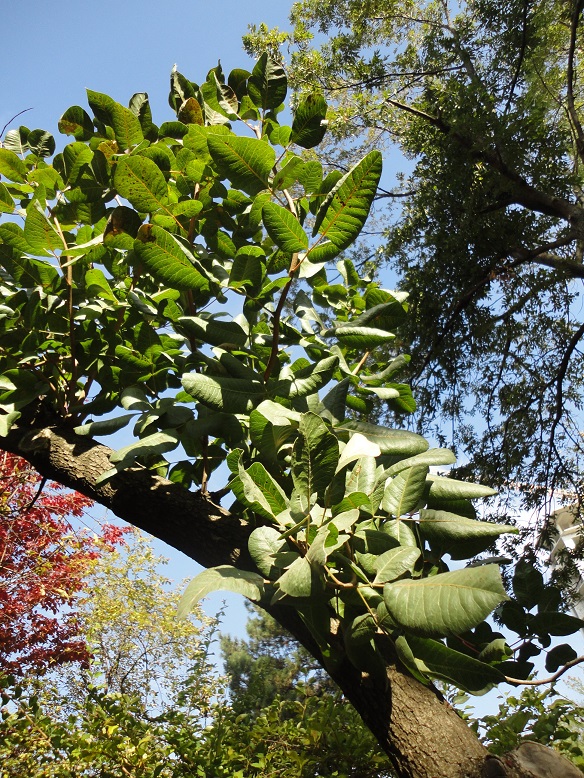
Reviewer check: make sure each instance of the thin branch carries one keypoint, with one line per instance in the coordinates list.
(13, 118)
(551, 679)
(522, 49)
(573, 113)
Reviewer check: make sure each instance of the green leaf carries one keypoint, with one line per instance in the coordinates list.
(6, 201)
(141, 181)
(214, 331)
(6, 422)
(245, 162)
(40, 234)
(41, 143)
(309, 125)
(305, 381)
(157, 443)
(222, 578)
(224, 394)
(77, 122)
(558, 656)
(401, 531)
(269, 551)
(297, 581)
(390, 441)
(528, 584)
(452, 532)
(448, 489)
(315, 458)
(12, 167)
(430, 458)
(125, 124)
(550, 623)
(457, 668)
(403, 493)
(104, 427)
(361, 337)
(256, 488)
(342, 215)
(284, 228)
(357, 447)
(170, 261)
(267, 84)
(445, 604)
(394, 563)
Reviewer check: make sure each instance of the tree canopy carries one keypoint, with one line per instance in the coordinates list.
(484, 100)
(179, 278)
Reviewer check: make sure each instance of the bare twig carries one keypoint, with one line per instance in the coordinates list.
(551, 679)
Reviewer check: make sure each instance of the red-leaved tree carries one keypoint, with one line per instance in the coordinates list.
(43, 564)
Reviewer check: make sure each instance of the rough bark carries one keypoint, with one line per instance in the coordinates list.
(422, 735)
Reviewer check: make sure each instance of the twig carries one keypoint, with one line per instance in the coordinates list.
(551, 679)
(13, 118)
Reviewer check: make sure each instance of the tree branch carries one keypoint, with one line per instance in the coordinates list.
(572, 112)
(188, 521)
(551, 679)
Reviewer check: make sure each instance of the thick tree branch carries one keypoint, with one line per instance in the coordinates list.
(185, 520)
(524, 193)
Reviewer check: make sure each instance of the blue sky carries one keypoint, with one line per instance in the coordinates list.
(52, 52)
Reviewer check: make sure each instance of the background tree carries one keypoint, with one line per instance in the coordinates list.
(151, 283)
(484, 100)
(139, 705)
(44, 564)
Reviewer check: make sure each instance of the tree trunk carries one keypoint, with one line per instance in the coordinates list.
(420, 732)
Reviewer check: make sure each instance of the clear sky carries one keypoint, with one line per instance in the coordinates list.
(53, 51)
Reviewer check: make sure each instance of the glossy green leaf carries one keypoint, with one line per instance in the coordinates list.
(345, 209)
(445, 604)
(12, 167)
(245, 162)
(41, 143)
(390, 441)
(224, 394)
(222, 578)
(269, 551)
(169, 260)
(305, 381)
(40, 234)
(403, 493)
(77, 122)
(141, 181)
(284, 228)
(256, 488)
(315, 458)
(457, 668)
(309, 125)
(361, 337)
(157, 443)
(6, 201)
(267, 84)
